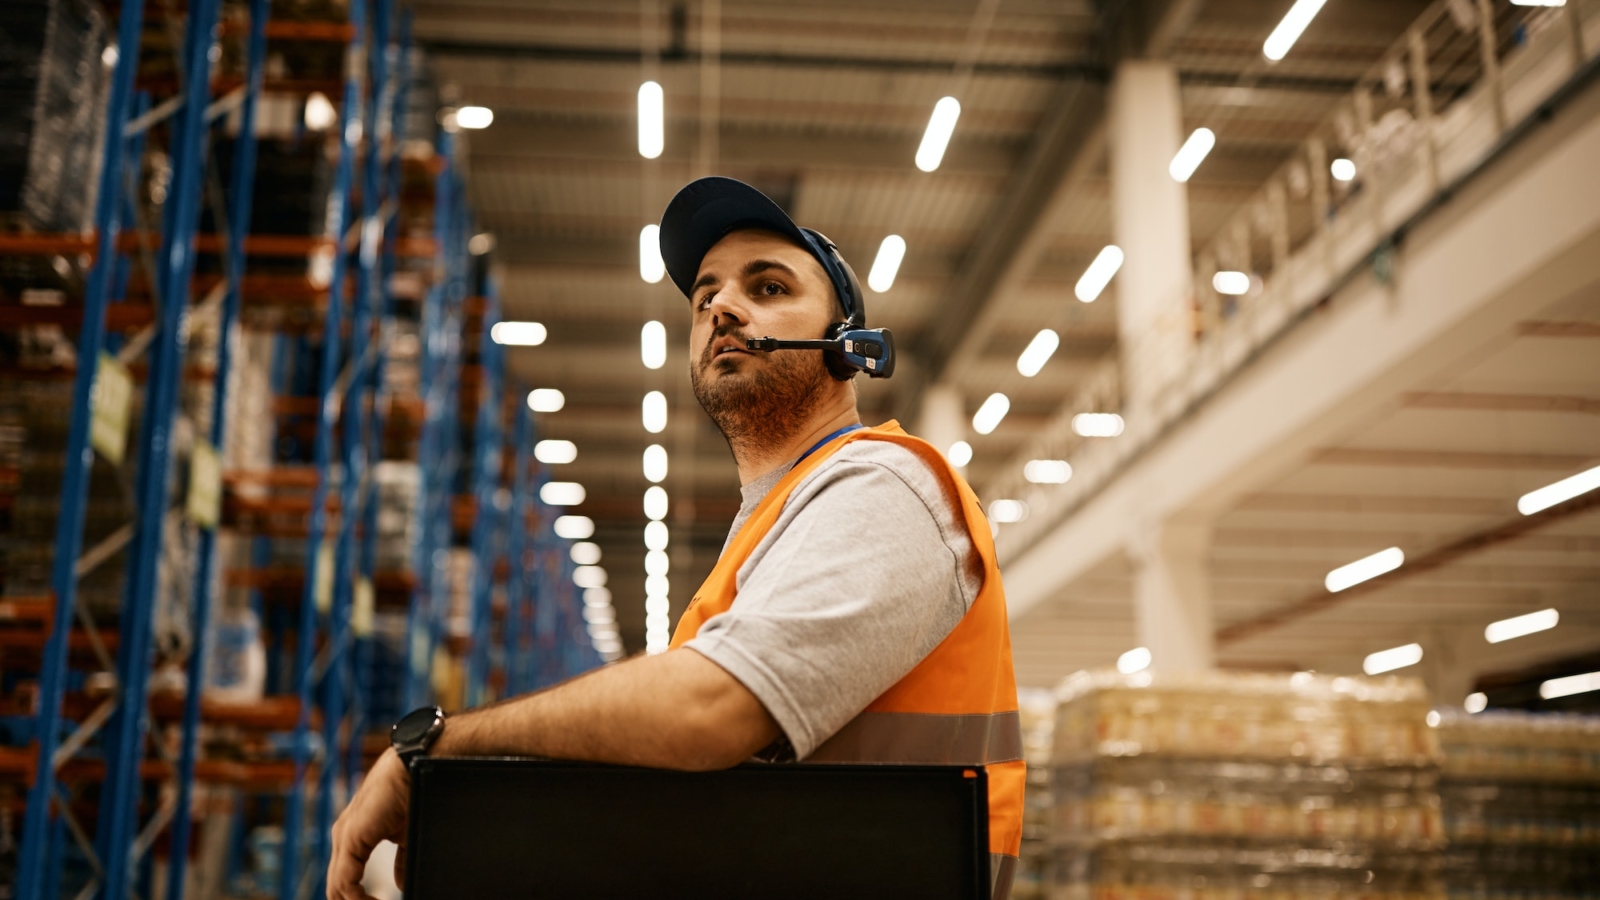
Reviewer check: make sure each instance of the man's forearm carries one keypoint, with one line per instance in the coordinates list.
(677, 710)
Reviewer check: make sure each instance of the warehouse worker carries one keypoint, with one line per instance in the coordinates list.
(856, 613)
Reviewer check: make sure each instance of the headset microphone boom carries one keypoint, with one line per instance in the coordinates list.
(869, 350)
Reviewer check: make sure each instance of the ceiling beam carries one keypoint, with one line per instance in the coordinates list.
(1579, 329)
(1358, 503)
(520, 137)
(1500, 402)
(629, 56)
(1505, 531)
(1443, 459)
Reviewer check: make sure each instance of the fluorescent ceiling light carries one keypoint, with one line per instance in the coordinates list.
(1231, 283)
(1038, 352)
(1572, 684)
(1047, 471)
(941, 125)
(1519, 626)
(990, 414)
(1191, 154)
(555, 452)
(1364, 569)
(474, 117)
(562, 493)
(1391, 659)
(655, 536)
(597, 596)
(1098, 424)
(546, 400)
(518, 334)
(602, 633)
(1476, 702)
(652, 120)
(1099, 274)
(887, 265)
(1560, 492)
(1289, 30)
(657, 586)
(656, 605)
(653, 344)
(1007, 511)
(1342, 169)
(574, 528)
(320, 114)
(1135, 660)
(656, 563)
(655, 412)
(959, 454)
(599, 615)
(480, 243)
(1538, 2)
(655, 463)
(655, 503)
(585, 553)
(589, 577)
(652, 267)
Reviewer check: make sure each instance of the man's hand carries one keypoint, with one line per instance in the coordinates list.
(677, 710)
(376, 813)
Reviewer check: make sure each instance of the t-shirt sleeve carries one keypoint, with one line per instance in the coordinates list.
(859, 580)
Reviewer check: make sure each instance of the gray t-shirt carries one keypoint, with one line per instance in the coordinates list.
(867, 569)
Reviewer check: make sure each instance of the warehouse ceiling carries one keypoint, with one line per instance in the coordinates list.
(822, 106)
(1437, 470)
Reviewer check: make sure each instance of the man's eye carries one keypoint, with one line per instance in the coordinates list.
(772, 289)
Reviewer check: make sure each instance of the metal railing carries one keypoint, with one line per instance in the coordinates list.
(1462, 83)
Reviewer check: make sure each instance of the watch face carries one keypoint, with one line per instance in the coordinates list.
(414, 726)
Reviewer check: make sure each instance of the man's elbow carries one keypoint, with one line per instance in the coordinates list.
(722, 736)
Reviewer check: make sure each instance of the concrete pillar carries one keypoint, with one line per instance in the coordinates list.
(1450, 658)
(943, 419)
(1155, 308)
(1172, 596)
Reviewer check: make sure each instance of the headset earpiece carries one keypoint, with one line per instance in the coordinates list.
(844, 364)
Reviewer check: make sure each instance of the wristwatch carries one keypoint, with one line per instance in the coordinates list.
(415, 732)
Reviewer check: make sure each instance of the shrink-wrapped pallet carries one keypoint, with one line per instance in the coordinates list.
(1244, 786)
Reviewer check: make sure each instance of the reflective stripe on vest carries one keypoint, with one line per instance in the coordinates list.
(925, 739)
(958, 706)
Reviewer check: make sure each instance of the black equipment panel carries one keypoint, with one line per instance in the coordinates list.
(491, 828)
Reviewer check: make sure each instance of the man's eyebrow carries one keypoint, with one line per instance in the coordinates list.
(757, 266)
(705, 280)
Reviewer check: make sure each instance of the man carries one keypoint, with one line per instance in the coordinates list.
(856, 613)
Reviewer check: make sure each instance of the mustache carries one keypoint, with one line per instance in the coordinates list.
(721, 331)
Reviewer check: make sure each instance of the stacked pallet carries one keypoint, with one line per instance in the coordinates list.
(1244, 786)
(1521, 799)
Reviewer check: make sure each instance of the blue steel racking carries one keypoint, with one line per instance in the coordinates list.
(541, 637)
(32, 867)
(488, 515)
(238, 224)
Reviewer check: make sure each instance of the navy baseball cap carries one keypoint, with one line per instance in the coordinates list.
(708, 209)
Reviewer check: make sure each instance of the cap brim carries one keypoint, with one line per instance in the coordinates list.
(705, 212)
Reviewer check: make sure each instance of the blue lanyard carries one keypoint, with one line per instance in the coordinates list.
(814, 447)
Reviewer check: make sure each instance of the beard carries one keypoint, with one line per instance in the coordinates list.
(761, 410)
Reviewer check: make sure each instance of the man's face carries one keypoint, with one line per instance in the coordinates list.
(756, 284)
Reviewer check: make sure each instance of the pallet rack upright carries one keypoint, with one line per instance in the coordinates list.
(320, 718)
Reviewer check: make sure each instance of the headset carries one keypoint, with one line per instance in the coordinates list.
(849, 346)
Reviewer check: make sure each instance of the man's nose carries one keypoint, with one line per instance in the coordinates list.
(726, 309)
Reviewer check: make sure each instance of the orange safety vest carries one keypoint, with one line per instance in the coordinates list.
(958, 706)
